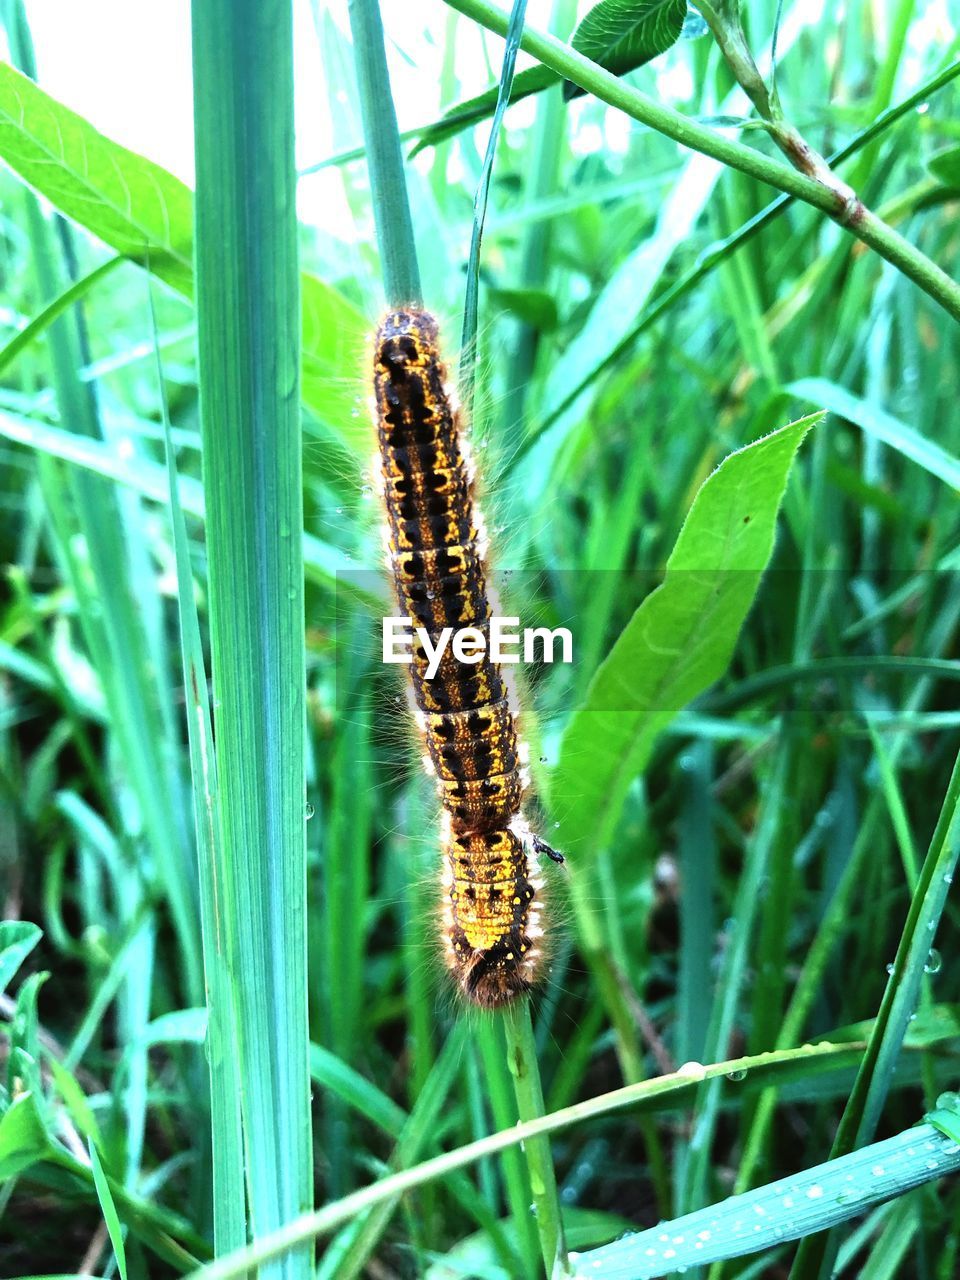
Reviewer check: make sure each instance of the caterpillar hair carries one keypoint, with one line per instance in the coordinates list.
(492, 890)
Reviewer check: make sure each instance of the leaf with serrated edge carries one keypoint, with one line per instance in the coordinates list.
(623, 34)
(679, 640)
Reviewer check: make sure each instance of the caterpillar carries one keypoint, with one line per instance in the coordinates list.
(436, 548)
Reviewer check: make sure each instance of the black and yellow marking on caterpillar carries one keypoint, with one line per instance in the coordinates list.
(436, 546)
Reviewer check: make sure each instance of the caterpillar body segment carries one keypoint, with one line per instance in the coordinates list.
(436, 543)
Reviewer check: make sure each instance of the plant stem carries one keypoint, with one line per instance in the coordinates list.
(851, 215)
(522, 1060)
(391, 208)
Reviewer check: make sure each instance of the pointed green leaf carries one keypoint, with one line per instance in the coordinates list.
(17, 940)
(146, 214)
(680, 639)
(23, 1140)
(624, 34)
(109, 1210)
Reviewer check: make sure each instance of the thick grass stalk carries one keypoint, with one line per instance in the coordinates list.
(229, 1193)
(852, 215)
(249, 346)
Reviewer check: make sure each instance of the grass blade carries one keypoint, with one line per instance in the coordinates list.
(109, 1210)
(248, 329)
(229, 1190)
(391, 209)
(781, 1211)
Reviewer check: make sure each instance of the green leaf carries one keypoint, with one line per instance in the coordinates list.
(946, 1117)
(945, 166)
(81, 1113)
(535, 307)
(622, 35)
(17, 940)
(109, 1210)
(23, 1140)
(146, 214)
(680, 639)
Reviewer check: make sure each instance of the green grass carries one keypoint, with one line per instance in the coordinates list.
(751, 767)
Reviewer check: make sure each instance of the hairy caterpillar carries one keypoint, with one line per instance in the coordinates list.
(437, 547)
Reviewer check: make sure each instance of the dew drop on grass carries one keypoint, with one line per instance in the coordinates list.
(934, 962)
(890, 970)
(308, 811)
(737, 1075)
(949, 1101)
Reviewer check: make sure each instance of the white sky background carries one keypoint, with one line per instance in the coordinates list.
(125, 66)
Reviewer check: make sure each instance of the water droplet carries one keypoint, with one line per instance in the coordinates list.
(339, 511)
(737, 1075)
(923, 108)
(934, 962)
(533, 1210)
(949, 1101)
(308, 811)
(814, 1193)
(890, 970)
(948, 877)
(878, 1171)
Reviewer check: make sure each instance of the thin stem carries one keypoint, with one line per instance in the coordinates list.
(522, 1060)
(391, 208)
(866, 226)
